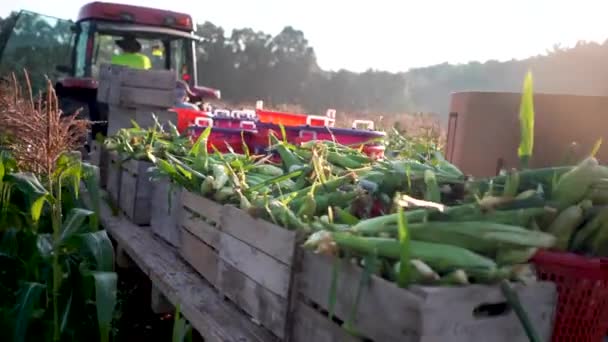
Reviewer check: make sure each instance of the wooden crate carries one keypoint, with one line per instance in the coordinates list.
(255, 268)
(114, 175)
(122, 117)
(119, 117)
(95, 153)
(200, 233)
(143, 116)
(136, 191)
(124, 76)
(98, 156)
(165, 211)
(132, 97)
(117, 85)
(419, 314)
(484, 131)
(248, 260)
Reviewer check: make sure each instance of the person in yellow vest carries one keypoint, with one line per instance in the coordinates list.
(131, 55)
(158, 61)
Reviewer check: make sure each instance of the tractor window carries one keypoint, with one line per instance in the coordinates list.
(178, 57)
(38, 44)
(81, 49)
(164, 53)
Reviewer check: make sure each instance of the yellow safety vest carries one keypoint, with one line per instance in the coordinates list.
(132, 60)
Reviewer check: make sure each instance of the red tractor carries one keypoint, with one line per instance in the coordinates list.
(72, 52)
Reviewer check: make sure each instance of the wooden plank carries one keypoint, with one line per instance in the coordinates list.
(210, 210)
(143, 116)
(399, 319)
(118, 118)
(264, 306)
(153, 79)
(200, 256)
(130, 97)
(136, 191)
(262, 268)
(310, 325)
(265, 236)
(113, 182)
(213, 317)
(201, 229)
(166, 211)
(461, 324)
(95, 153)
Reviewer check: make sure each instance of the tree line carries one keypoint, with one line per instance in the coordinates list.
(249, 65)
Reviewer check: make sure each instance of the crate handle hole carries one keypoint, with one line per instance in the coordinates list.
(487, 310)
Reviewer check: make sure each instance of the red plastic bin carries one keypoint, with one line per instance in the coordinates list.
(292, 119)
(582, 285)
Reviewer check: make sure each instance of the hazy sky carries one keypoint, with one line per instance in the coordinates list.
(392, 35)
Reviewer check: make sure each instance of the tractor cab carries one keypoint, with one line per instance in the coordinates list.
(71, 53)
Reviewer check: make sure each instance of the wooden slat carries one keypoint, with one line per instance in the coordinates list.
(133, 97)
(199, 228)
(166, 211)
(136, 191)
(210, 210)
(154, 79)
(262, 268)
(268, 238)
(200, 256)
(459, 324)
(113, 179)
(213, 317)
(118, 118)
(385, 312)
(310, 325)
(264, 306)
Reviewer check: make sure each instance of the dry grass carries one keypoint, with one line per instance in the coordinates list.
(37, 131)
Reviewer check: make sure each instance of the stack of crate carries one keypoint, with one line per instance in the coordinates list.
(133, 95)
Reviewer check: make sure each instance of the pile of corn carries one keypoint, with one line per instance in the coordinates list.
(491, 237)
(418, 218)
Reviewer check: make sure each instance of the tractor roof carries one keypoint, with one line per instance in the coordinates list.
(135, 15)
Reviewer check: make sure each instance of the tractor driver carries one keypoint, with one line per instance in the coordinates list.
(131, 55)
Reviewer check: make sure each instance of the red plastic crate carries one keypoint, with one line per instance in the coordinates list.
(186, 117)
(582, 285)
(292, 119)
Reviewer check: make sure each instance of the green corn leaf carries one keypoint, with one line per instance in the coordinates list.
(283, 133)
(244, 143)
(404, 241)
(74, 223)
(105, 301)
(2, 170)
(27, 183)
(526, 121)
(371, 263)
(432, 192)
(596, 147)
(98, 248)
(91, 181)
(200, 146)
(182, 331)
(37, 206)
(66, 312)
(27, 299)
